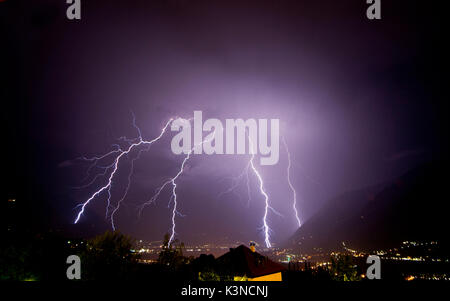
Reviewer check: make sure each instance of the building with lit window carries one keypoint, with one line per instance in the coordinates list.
(245, 264)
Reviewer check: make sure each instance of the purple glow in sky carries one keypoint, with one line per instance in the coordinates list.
(356, 102)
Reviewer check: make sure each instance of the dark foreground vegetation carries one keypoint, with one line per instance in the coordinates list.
(110, 256)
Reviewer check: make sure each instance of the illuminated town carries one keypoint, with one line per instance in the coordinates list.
(417, 256)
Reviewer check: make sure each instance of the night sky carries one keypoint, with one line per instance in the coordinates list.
(360, 102)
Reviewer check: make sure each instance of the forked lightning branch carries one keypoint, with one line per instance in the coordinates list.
(250, 137)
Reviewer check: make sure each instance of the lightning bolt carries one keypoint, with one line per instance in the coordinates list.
(131, 170)
(172, 181)
(127, 187)
(95, 161)
(263, 192)
(114, 167)
(235, 183)
(294, 192)
(119, 153)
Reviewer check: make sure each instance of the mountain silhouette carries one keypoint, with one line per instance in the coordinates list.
(411, 207)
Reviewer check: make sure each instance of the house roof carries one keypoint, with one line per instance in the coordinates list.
(242, 261)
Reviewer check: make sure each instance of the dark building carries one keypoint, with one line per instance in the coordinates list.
(246, 264)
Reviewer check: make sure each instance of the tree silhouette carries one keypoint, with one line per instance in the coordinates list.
(109, 256)
(171, 255)
(343, 269)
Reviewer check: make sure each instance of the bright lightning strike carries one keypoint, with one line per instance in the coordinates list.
(172, 181)
(235, 181)
(118, 153)
(235, 184)
(115, 164)
(294, 192)
(126, 189)
(263, 192)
